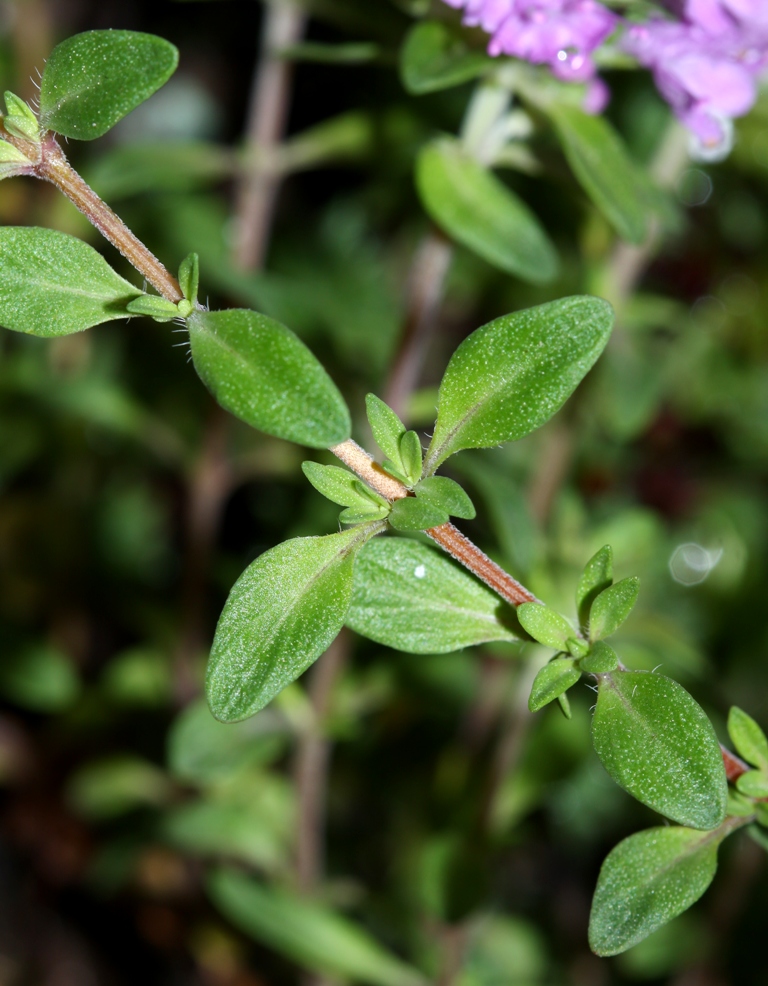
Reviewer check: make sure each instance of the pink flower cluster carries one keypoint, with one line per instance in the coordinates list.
(705, 58)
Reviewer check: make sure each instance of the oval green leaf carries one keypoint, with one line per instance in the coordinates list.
(545, 625)
(448, 495)
(611, 607)
(52, 284)
(282, 613)
(414, 514)
(478, 210)
(552, 681)
(748, 738)
(413, 598)
(604, 169)
(308, 933)
(511, 375)
(597, 575)
(92, 80)
(648, 879)
(657, 743)
(262, 373)
(434, 57)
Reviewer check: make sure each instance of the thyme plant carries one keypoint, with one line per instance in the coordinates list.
(398, 571)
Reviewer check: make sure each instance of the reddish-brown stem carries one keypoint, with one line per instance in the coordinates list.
(55, 168)
(734, 766)
(446, 535)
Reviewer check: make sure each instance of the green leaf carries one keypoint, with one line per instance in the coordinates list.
(761, 812)
(111, 786)
(604, 169)
(386, 427)
(410, 457)
(565, 705)
(20, 120)
(478, 210)
(52, 284)
(611, 607)
(92, 80)
(12, 161)
(597, 575)
(754, 784)
(338, 485)
(748, 738)
(446, 494)
(40, 678)
(434, 57)
(657, 743)
(189, 277)
(511, 375)
(175, 166)
(282, 613)
(602, 659)
(545, 625)
(308, 933)
(160, 309)
(260, 372)
(203, 751)
(552, 681)
(414, 514)
(759, 835)
(413, 598)
(648, 879)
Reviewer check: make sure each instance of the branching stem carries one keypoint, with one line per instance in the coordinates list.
(446, 535)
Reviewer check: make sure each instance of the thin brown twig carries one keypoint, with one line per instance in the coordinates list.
(257, 192)
(425, 293)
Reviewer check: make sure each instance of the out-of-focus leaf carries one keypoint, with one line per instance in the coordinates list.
(94, 79)
(282, 613)
(312, 935)
(413, 598)
(40, 678)
(511, 375)
(148, 167)
(351, 53)
(754, 783)
(504, 951)
(478, 210)
(52, 284)
(650, 878)
(202, 750)
(658, 744)
(113, 786)
(434, 57)
(748, 738)
(604, 169)
(138, 677)
(262, 373)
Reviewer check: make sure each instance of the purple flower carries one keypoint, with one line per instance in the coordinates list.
(559, 33)
(706, 64)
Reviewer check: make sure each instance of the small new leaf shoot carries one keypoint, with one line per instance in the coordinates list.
(597, 575)
(448, 495)
(154, 307)
(387, 429)
(552, 681)
(189, 278)
(611, 608)
(602, 659)
(410, 456)
(545, 625)
(20, 121)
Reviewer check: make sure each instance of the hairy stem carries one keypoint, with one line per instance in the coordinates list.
(267, 115)
(55, 168)
(446, 535)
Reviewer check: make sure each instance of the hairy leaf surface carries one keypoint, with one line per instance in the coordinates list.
(413, 598)
(658, 744)
(52, 284)
(511, 375)
(94, 79)
(282, 613)
(261, 372)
